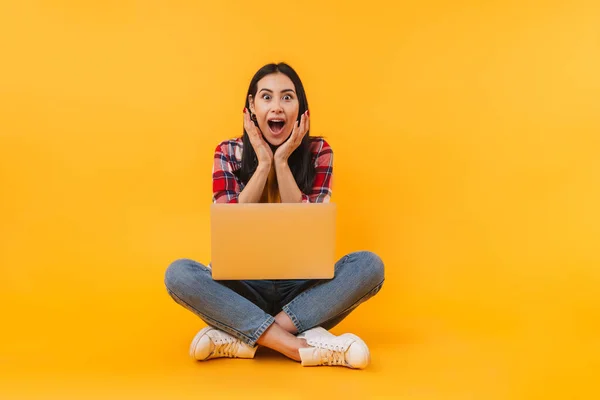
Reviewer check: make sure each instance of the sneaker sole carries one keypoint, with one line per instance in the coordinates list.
(196, 339)
(363, 345)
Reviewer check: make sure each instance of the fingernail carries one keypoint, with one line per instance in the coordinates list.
(244, 110)
(307, 113)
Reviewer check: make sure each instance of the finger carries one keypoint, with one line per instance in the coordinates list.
(302, 128)
(296, 129)
(255, 135)
(249, 126)
(298, 133)
(246, 119)
(307, 121)
(304, 123)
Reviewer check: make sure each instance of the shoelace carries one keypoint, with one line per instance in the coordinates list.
(331, 355)
(226, 348)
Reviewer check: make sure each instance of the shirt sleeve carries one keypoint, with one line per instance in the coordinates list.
(321, 189)
(226, 188)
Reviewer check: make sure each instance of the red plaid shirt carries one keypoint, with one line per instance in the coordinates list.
(228, 159)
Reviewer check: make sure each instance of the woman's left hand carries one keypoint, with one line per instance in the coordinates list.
(286, 149)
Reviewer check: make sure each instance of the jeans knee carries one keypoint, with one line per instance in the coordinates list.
(177, 273)
(372, 266)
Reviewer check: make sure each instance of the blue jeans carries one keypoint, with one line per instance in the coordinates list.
(245, 309)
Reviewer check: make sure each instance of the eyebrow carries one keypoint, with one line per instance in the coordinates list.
(283, 91)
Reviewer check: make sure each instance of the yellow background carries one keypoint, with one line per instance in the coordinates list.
(466, 150)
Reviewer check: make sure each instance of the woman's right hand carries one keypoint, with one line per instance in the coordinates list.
(263, 151)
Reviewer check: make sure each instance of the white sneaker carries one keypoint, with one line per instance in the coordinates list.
(347, 350)
(214, 343)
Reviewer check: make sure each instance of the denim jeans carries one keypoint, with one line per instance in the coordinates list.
(245, 309)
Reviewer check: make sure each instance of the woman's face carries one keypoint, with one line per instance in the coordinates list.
(276, 107)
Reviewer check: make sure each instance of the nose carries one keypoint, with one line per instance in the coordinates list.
(277, 107)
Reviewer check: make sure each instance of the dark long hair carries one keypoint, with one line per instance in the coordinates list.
(300, 161)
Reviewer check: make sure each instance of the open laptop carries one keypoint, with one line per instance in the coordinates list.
(273, 241)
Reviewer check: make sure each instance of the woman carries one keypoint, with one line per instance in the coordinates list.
(276, 160)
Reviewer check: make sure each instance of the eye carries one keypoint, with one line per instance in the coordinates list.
(287, 97)
(266, 96)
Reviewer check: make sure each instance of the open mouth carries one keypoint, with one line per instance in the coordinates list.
(276, 126)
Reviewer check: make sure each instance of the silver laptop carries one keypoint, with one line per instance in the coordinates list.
(273, 241)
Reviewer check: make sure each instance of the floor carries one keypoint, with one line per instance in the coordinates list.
(139, 350)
